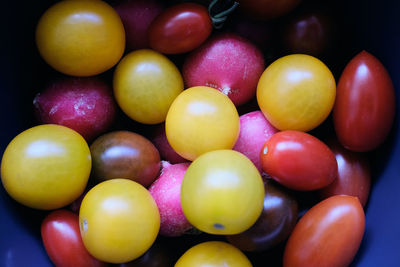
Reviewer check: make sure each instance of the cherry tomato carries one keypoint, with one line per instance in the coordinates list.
(222, 193)
(46, 167)
(296, 92)
(145, 85)
(118, 220)
(81, 38)
(213, 254)
(123, 154)
(309, 32)
(276, 222)
(267, 9)
(180, 28)
(329, 234)
(365, 105)
(298, 160)
(63, 243)
(201, 119)
(354, 176)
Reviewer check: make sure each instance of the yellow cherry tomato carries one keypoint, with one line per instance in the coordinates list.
(213, 254)
(296, 92)
(119, 220)
(46, 167)
(222, 193)
(201, 119)
(145, 85)
(81, 38)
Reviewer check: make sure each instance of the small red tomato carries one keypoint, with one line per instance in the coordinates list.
(298, 160)
(365, 104)
(329, 234)
(180, 28)
(354, 177)
(63, 243)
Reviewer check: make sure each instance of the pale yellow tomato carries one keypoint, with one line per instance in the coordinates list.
(296, 92)
(213, 254)
(46, 167)
(201, 119)
(119, 220)
(222, 193)
(145, 85)
(81, 38)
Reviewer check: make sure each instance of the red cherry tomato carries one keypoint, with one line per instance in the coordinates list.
(354, 177)
(329, 234)
(63, 243)
(298, 160)
(180, 28)
(365, 104)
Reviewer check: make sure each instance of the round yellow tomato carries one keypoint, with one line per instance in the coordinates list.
(213, 254)
(145, 85)
(119, 220)
(296, 92)
(201, 119)
(81, 38)
(222, 193)
(46, 167)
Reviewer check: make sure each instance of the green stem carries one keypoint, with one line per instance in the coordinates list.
(218, 18)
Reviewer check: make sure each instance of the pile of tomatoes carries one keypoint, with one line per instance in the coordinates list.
(102, 210)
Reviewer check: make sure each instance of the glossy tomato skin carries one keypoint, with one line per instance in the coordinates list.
(222, 193)
(145, 85)
(81, 38)
(46, 166)
(213, 254)
(354, 175)
(118, 220)
(63, 243)
(329, 234)
(298, 161)
(365, 105)
(296, 92)
(201, 119)
(124, 154)
(276, 222)
(180, 28)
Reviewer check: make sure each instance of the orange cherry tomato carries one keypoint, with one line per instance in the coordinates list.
(81, 38)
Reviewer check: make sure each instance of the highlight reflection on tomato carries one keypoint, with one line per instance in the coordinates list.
(201, 119)
(46, 166)
(180, 28)
(119, 220)
(81, 38)
(276, 222)
(365, 105)
(222, 193)
(329, 234)
(296, 92)
(298, 160)
(63, 242)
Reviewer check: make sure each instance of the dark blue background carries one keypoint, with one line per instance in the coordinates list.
(370, 25)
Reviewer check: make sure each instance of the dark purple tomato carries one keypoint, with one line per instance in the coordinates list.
(309, 33)
(124, 154)
(276, 222)
(298, 160)
(180, 28)
(63, 243)
(354, 177)
(365, 104)
(267, 9)
(157, 256)
(329, 234)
